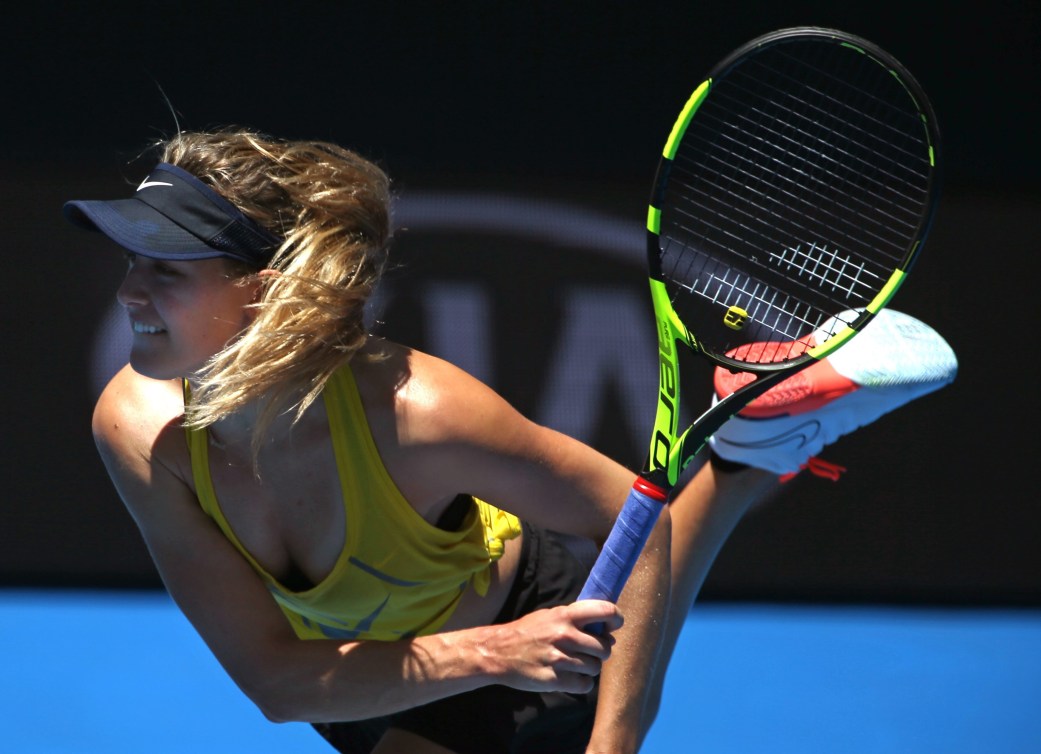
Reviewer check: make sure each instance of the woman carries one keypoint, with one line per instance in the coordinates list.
(338, 473)
(359, 531)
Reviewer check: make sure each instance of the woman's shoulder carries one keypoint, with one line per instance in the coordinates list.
(136, 416)
(430, 399)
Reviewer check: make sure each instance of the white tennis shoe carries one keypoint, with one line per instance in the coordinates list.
(895, 359)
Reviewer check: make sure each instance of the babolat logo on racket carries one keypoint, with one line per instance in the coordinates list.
(667, 418)
(735, 318)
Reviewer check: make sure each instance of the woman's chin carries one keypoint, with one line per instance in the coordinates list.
(154, 369)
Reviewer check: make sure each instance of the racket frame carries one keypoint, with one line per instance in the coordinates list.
(670, 451)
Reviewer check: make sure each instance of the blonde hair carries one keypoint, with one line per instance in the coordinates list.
(331, 207)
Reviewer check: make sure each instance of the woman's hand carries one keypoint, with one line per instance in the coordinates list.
(550, 649)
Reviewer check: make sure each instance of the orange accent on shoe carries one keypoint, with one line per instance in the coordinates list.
(817, 467)
(804, 391)
(772, 352)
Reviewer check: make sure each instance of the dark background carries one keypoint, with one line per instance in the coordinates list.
(566, 104)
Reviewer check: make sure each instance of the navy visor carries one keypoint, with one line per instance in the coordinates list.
(175, 216)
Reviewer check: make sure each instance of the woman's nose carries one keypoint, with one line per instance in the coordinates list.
(131, 291)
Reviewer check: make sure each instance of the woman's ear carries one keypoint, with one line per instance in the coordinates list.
(262, 280)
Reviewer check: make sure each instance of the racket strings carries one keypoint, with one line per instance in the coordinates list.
(758, 203)
(764, 200)
(820, 173)
(845, 276)
(851, 119)
(768, 242)
(888, 129)
(777, 317)
(894, 127)
(812, 167)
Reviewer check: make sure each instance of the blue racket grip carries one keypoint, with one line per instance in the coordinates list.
(624, 545)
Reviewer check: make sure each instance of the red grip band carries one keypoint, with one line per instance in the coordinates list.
(649, 489)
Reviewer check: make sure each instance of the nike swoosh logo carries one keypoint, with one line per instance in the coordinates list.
(802, 434)
(146, 183)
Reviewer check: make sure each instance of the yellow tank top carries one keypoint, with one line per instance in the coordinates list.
(398, 575)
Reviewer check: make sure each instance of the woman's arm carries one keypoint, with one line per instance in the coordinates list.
(136, 426)
(455, 434)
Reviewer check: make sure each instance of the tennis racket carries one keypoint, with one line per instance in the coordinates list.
(792, 197)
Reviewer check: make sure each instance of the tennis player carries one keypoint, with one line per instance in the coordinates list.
(363, 534)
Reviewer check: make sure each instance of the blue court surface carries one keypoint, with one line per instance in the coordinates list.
(87, 672)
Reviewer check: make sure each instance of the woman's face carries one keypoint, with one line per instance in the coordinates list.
(181, 313)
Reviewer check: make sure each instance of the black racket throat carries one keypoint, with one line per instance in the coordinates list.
(691, 442)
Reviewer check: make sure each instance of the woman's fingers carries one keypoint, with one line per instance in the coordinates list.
(550, 650)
